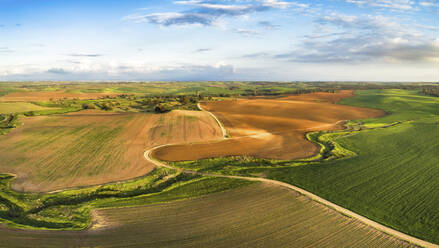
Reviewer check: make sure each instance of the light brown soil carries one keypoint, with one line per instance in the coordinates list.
(270, 128)
(47, 95)
(91, 147)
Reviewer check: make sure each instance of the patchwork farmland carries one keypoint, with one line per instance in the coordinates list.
(77, 167)
(46, 96)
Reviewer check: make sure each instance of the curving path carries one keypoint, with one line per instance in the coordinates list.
(223, 129)
(312, 196)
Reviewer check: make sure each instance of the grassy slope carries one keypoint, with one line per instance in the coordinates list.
(393, 180)
(400, 104)
(254, 216)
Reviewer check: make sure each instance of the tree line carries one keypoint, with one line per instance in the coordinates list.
(430, 91)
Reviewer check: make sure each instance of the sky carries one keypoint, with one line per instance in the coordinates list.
(219, 40)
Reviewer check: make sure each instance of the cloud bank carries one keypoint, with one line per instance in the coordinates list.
(119, 71)
(207, 13)
(362, 39)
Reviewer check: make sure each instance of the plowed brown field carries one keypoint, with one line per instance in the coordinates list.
(47, 95)
(321, 96)
(91, 147)
(270, 128)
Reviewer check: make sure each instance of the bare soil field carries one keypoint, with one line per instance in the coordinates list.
(254, 216)
(321, 96)
(90, 147)
(270, 128)
(36, 96)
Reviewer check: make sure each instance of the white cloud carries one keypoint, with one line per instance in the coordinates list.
(361, 39)
(389, 4)
(207, 12)
(429, 4)
(247, 32)
(173, 18)
(118, 71)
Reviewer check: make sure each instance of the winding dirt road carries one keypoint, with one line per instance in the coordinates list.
(312, 196)
(223, 129)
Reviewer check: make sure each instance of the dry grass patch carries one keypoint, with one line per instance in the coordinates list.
(90, 147)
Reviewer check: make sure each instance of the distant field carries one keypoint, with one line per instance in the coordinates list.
(254, 216)
(402, 105)
(91, 147)
(43, 91)
(47, 95)
(271, 128)
(19, 107)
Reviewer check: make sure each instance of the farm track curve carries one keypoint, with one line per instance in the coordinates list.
(340, 209)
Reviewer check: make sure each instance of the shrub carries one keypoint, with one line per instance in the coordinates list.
(88, 106)
(162, 108)
(106, 107)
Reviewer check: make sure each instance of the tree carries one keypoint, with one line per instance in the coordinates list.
(162, 108)
(106, 107)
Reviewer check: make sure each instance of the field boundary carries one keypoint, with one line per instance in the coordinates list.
(340, 209)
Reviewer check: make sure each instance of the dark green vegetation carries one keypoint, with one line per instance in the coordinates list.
(392, 179)
(120, 103)
(7, 122)
(70, 209)
(430, 91)
(259, 215)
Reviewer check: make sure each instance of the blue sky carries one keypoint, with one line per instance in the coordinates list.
(365, 40)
